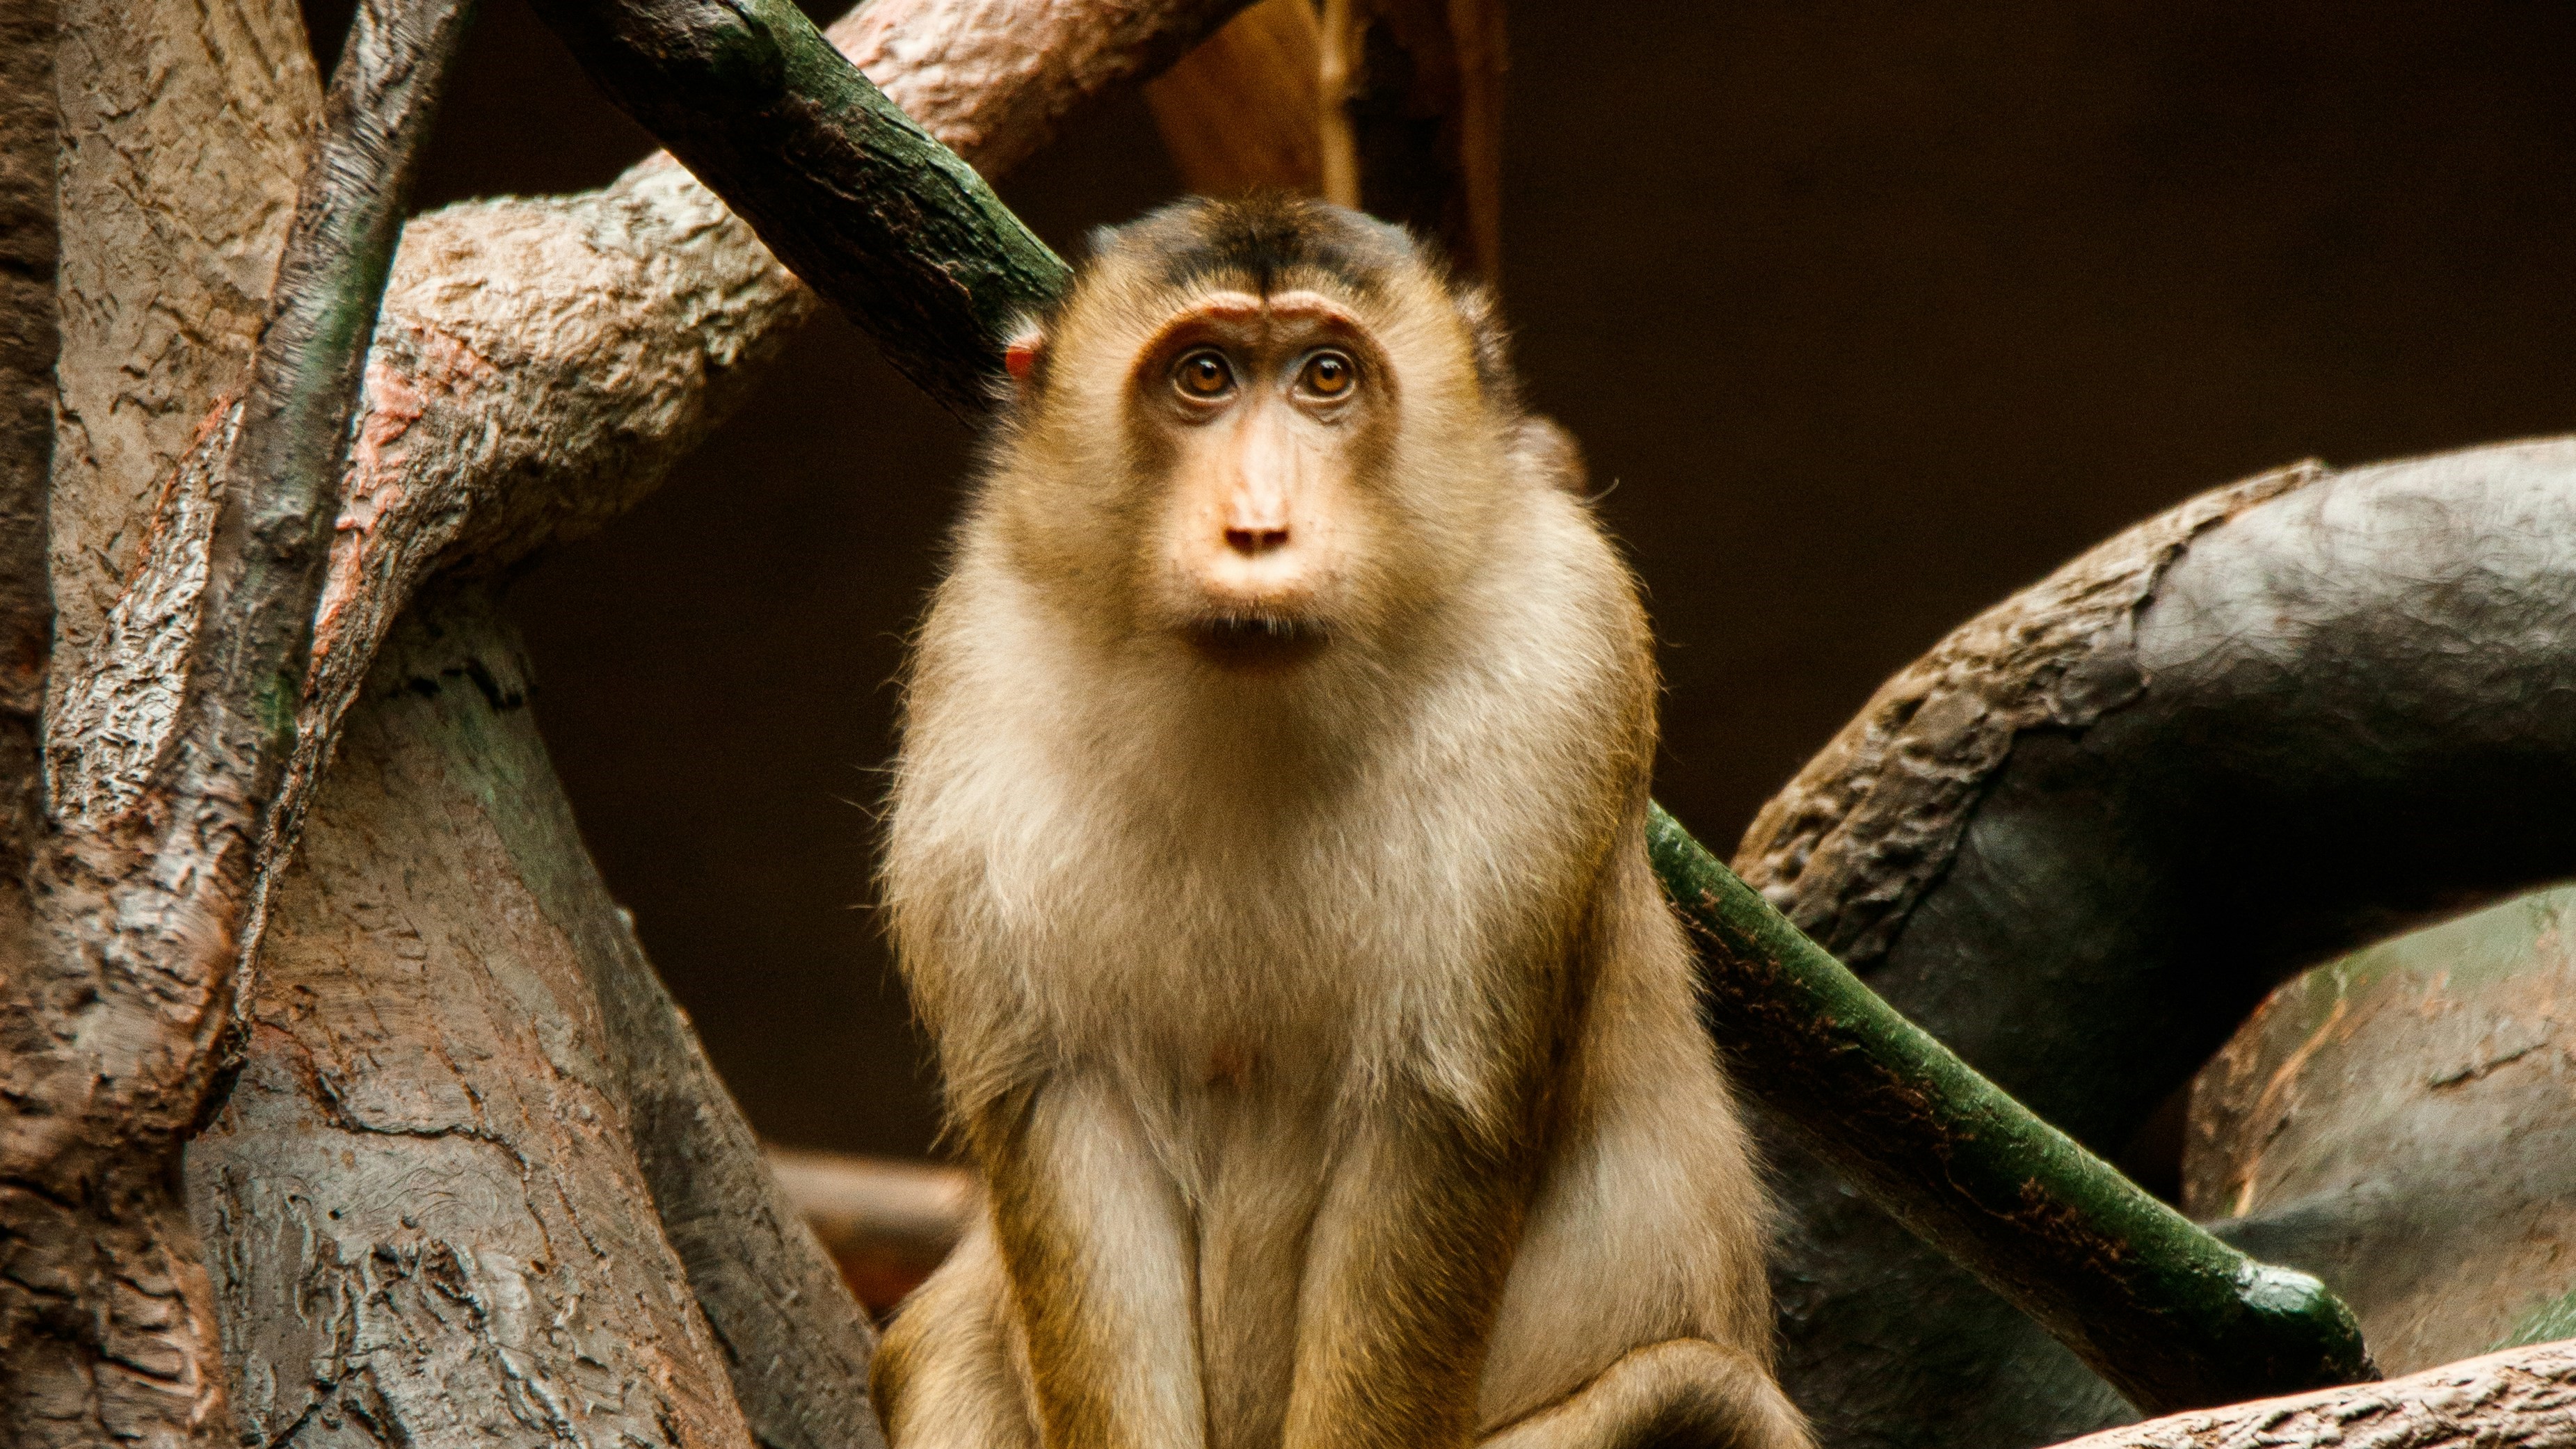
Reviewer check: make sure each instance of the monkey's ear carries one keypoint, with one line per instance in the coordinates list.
(1493, 344)
(1548, 454)
(1021, 355)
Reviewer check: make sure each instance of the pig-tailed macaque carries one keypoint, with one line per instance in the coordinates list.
(1267, 858)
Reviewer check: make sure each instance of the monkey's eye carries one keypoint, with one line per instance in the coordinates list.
(1327, 375)
(1203, 374)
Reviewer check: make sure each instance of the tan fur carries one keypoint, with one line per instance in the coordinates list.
(1329, 1054)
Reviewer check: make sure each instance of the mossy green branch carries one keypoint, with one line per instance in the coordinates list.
(863, 204)
(2171, 1316)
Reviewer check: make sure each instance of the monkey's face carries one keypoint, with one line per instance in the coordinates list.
(1256, 436)
(1260, 480)
(1264, 420)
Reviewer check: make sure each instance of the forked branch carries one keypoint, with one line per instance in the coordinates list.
(129, 973)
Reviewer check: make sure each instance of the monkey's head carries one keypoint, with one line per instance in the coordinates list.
(1256, 433)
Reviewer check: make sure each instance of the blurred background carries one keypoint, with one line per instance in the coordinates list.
(1872, 313)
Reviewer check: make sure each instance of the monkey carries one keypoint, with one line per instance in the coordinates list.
(1265, 855)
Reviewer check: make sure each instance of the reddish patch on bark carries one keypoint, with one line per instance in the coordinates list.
(373, 487)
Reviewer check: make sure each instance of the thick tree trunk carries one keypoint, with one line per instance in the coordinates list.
(2083, 837)
(428, 1221)
(797, 1346)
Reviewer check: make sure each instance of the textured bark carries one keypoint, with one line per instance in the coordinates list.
(507, 402)
(143, 890)
(2526, 1397)
(2396, 1122)
(27, 347)
(869, 208)
(993, 79)
(2083, 837)
(796, 1343)
(184, 128)
(427, 1218)
(2172, 1316)
(27, 256)
(541, 362)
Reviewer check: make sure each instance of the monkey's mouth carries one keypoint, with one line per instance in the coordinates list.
(1257, 640)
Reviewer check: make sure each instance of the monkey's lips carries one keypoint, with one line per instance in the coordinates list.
(1257, 639)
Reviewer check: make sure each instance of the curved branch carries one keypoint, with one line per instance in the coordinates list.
(2082, 837)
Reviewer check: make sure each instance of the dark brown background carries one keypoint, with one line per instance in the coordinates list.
(1874, 312)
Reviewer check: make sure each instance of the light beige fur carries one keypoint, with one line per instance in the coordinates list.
(1329, 1054)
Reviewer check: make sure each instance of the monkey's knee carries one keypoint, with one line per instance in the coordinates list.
(943, 1376)
(1685, 1393)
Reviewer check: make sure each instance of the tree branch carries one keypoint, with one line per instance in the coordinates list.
(185, 128)
(867, 206)
(2082, 837)
(541, 363)
(2170, 1315)
(2522, 1397)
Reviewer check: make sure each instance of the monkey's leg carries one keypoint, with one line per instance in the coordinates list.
(1404, 1270)
(944, 1376)
(1101, 1266)
(1684, 1393)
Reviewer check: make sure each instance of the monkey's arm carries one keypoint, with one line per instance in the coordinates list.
(1097, 1248)
(1403, 1275)
(1681, 1392)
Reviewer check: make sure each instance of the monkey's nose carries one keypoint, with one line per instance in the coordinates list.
(1254, 542)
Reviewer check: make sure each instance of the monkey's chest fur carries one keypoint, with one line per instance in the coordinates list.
(1303, 938)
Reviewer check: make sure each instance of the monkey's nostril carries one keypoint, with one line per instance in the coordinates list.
(1256, 540)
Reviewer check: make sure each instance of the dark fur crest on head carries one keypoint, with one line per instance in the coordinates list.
(1264, 240)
